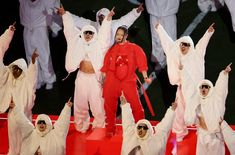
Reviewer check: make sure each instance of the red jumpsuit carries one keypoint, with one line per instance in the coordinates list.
(120, 64)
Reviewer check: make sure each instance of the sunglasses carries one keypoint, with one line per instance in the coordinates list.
(41, 122)
(204, 86)
(16, 68)
(185, 44)
(88, 32)
(142, 127)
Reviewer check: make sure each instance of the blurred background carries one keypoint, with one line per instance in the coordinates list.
(220, 51)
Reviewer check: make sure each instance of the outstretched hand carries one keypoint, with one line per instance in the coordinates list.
(12, 104)
(123, 99)
(111, 13)
(211, 28)
(156, 26)
(69, 103)
(140, 8)
(228, 69)
(12, 27)
(34, 56)
(61, 11)
(174, 104)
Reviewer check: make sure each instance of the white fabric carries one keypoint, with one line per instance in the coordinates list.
(127, 20)
(209, 143)
(21, 89)
(88, 90)
(52, 143)
(87, 87)
(36, 17)
(230, 4)
(5, 40)
(154, 143)
(164, 12)
(229, 136)
(187, 78)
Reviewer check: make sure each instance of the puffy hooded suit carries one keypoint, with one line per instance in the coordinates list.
(22, 90)
(52, 141)
(154, 142)
(187, 78)
(87, 86)
(212, 109)
(127, 20)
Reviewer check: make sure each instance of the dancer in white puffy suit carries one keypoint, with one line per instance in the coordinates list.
(140, 138)
(39, 17)
(214, 5)
(207, 109)
(127, 20)
(17, 81)
(44, 138)
(185, 67)
(85, 50)
(229, 136)
(164, 12)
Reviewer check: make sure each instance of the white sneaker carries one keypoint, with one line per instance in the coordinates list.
(49, 86)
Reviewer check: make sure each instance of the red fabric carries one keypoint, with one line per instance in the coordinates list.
(120, 64)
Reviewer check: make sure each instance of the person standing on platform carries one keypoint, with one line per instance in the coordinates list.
(37, 17)
(185, 67)
(43, 138)
(16, 81)
(120, 64)
(86, 50)
(140, 138)
(207, 109)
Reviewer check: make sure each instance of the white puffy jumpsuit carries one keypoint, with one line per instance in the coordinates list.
(186, 79)
(154, 142)
(229, 136)
(52, 141)
(88, 88)
(22, 90)
(211, 108)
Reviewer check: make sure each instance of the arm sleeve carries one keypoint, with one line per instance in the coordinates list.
(202, 44)
(32, 74)
(70, 32)
(166, 41)
(26, 127)
(229, 136)
(80, 21)
(128, 122)
(62, 124)
(221, 86)
(105, 66)
(5, 40)
(141, 59)
(164, 127)
(127, 19)
(104, 34)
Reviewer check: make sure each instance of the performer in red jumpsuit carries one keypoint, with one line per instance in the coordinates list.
(120, 64)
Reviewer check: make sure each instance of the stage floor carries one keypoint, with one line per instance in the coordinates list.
(94, 142)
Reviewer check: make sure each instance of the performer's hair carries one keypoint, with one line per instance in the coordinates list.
(124, 28)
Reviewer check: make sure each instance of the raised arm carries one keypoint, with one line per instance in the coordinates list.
(203, 42)
(166, 41)
(164, 127)
(129, 18)
(26, 127)
(32, 71)
(5, 40)
(128, 122)
(104, 33)
(61, 126)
